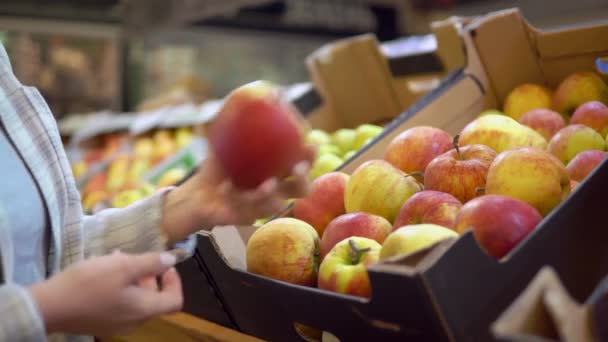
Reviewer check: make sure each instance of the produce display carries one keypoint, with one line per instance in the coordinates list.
(498, 178)
(122, 182)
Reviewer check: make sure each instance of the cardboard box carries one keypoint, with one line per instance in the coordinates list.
(453, 291)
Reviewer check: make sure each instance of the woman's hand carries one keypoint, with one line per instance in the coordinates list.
(108, 295)
(209, 199)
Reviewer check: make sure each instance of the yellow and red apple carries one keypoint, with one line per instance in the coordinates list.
(584, 163)
(411, 238)
(429, 206)
(526, 97)
(573, 139)
(544, 121)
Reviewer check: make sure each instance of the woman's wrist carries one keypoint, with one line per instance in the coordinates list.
(180, 214)
(51, 312)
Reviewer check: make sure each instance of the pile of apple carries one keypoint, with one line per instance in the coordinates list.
(497, 178)
(336, 148)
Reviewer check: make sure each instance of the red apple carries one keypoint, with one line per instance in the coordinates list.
(429, 206)
(499, 223)
(544, 121)
(378, 188)
(593, 114)
(573, 185)
(344, 269)
(324, 202)
(356, 224)
(413, 149)
(582, 165)
(576, 89)
(257, 135)
(460, 172)
(531, 175)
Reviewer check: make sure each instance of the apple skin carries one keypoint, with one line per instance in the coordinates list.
(378, 188)
(413, 149)
(324, 202)
(360, 224)
(498, 223)
(573, 139)
(344, 138)
(460, 176)
(429, 206)
(412, 238)
(286, 249)
(593, 114)
(576, 89)
(573, 185)
(545, 121)
(584, 163)
(531, 175)
(257, 135)
(364, 133)
(340, 273)
(526, 97)
(500, 133)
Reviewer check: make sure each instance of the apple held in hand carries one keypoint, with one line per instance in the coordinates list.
(531, 175)
(344, 269)
(544, 121)
(460, 172)
(324, 202)
(526, 97)
(412, 238)
(498, 223)
(257, 135)
(429, 206)
(577, 89)
(584, 163)
(286, 249)
(378, 188)
(573, 139)
(500, 133)
(413, 149)
(355, 224)
(593, 114)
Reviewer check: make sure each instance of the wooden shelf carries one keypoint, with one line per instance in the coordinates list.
(183, 327)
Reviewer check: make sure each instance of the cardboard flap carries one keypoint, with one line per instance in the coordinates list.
(231, 242)
(450, 48)
(354, 76)
(506, 50)
(572, 41)
(544, 311)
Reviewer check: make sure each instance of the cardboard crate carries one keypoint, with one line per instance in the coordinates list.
(360, 80)
(453, 291)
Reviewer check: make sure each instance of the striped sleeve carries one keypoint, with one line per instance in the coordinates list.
(21, 320)
(134, 229)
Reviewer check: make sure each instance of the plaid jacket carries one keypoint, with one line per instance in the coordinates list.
(32, 128)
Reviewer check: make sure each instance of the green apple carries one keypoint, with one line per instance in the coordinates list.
(324, 164)
(412, 238)
(329, 149)
(500, 133)
(318, 137)
(365, 133)
(349, 155)
(344, 138)
(344, 269)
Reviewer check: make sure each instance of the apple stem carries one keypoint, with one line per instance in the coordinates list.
(355, 252)
(455, 143)
(480, 190)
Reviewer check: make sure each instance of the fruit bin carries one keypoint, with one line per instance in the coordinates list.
(454, 291)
